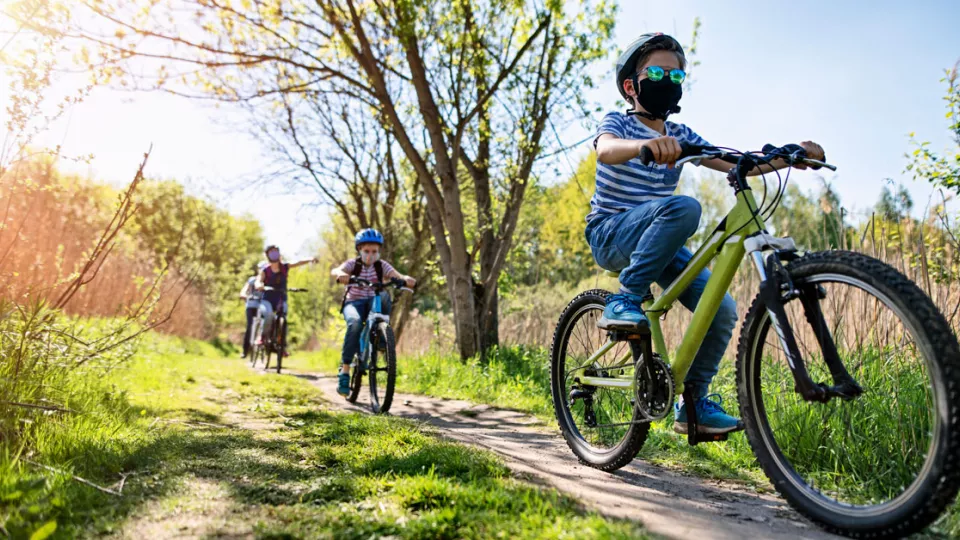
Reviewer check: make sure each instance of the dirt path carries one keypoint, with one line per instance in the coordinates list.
(668, 503)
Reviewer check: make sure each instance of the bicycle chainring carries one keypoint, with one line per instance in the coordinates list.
(654, 388)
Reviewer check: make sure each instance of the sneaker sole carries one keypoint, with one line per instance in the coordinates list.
(681, 428)
(606, 324)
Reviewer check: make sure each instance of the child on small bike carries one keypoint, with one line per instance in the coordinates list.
(638, 227)
(274, 275)
(358, 300)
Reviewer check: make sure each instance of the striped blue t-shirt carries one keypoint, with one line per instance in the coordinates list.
(622, 187)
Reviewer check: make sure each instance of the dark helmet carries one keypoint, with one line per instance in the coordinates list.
(367, 236)
(627, 63)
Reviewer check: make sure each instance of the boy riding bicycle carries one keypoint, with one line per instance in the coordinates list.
(358, 300)
(274, 276)
(638, 227)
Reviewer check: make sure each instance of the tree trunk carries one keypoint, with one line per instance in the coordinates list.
(487, 318)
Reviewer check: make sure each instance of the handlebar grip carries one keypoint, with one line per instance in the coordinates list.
(791, 149)
(818, 167)
(646, 156)
(686, 150)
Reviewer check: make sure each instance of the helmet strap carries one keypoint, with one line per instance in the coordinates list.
(646, 115)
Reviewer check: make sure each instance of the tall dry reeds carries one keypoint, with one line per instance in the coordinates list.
(925, 251)
(50, 228)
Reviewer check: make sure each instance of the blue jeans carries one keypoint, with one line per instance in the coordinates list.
(269, 314)
(355, 313)
(247, 338)
(645, 244)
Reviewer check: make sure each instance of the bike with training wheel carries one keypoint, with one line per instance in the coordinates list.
(848, 376)
(274, 344)
(377, 358)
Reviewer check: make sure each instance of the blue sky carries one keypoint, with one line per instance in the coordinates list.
(856, 77)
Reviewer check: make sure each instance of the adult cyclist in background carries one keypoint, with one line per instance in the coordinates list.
(274, 275)
(252, 296)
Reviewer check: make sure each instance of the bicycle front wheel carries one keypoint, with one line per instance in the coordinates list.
(884, 463)
(383, 369)
(281, 342)
(356, 379)
(600, 424)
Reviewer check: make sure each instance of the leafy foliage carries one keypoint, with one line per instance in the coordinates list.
(941, 169)
(217, 248)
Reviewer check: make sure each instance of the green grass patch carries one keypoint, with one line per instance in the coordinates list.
(519, 378)
(180, 415)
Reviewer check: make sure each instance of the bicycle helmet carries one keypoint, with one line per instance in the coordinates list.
(367, 236)
(627, 63)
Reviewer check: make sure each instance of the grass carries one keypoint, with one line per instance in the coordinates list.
(518, 378)
(211, 447)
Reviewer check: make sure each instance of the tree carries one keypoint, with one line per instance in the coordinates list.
(892, 207)
(472, 84)
(357, 169)
(194, 236)
(941, 169)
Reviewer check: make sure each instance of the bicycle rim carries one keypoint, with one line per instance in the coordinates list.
(611, 409)
(864, 457)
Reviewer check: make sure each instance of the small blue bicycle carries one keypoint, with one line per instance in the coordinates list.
(378, 356)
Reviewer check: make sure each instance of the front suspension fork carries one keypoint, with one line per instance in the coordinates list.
(776, 287)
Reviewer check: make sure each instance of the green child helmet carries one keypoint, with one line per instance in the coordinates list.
(627, 63)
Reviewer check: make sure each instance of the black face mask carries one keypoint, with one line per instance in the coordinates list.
(659, 98)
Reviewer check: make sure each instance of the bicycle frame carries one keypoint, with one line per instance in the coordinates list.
(726, 246)
(375, 316)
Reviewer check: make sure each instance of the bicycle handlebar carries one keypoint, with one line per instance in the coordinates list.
(396, 283)
(793, 154)
(291, 289)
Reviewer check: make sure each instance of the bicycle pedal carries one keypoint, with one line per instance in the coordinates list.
(632, 335)
(709, 437)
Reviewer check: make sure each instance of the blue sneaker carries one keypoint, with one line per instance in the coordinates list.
(623, 313)
(711, 418)
(343, 384)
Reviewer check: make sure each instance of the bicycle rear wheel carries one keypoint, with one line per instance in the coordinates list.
(598, 423)
(383, 368)
(885, 463)
(254, 348)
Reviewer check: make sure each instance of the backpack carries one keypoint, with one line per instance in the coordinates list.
(357, 268)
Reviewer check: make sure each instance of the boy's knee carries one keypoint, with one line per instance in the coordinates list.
(683, 208)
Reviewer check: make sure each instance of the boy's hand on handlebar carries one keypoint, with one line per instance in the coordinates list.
(343, 279)
(665, 150)
(814, 151)
(411, 283)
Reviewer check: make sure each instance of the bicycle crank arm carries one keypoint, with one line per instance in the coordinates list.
(606, 382)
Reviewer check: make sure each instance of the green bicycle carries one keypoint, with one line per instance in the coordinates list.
(872, 453)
